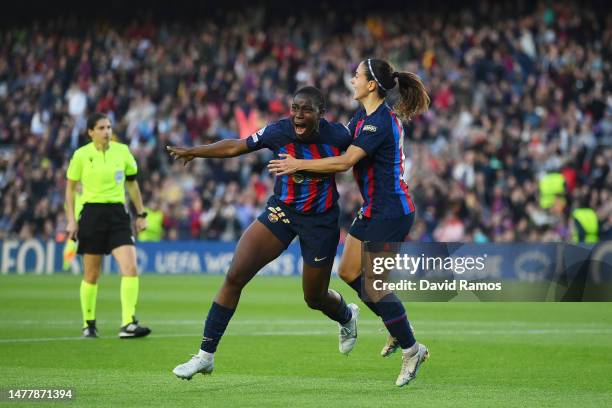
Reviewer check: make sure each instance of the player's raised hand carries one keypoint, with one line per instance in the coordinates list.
(178, 153)
(286, 164)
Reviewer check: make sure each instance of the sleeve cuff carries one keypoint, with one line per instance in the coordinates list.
(131, 178)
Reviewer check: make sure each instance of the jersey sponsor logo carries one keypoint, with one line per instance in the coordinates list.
(256, 135)
(299, 178)
(369, 128)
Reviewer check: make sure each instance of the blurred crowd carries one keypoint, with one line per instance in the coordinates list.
(516, 95)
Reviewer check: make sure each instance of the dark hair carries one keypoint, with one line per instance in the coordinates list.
(93, 119)
(315, 94)
(413, 95)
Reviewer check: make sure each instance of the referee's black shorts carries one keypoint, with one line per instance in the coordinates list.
(103, 227)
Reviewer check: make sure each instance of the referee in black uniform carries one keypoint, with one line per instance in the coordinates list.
(104, 168)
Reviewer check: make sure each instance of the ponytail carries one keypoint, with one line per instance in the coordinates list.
(413, 95)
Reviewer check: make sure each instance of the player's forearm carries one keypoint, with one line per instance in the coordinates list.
(69, 201)
(221, 149)
(336, 164)
(135, 196)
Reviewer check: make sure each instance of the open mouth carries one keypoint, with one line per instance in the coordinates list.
(300, 128)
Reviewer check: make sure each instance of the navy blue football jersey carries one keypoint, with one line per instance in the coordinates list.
(305, 192)
(380, 174)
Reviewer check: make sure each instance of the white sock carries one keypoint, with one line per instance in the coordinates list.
(206, 355)
(411, 350)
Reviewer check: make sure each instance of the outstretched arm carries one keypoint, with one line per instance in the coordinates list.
(336, 164)
(221, 149)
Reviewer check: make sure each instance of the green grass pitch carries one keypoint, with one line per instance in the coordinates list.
(278, 353)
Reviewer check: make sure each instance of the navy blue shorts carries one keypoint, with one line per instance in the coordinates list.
(319, 233)
(375, 230)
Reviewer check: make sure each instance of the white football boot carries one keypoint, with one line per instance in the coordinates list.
(197, 364)
(348, 331)
(411, 362)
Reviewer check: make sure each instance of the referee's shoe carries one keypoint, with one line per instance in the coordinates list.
(90, 330)
(133, 330)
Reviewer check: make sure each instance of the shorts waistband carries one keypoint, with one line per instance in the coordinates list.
(102, 204)
(294, 211)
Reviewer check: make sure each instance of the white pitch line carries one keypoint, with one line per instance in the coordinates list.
(323, 321)
(331, 332)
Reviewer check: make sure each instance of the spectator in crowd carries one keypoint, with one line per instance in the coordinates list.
(518, 93)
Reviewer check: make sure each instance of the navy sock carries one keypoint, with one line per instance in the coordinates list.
(216, 323)
(357, 285)
(393, 315)
(342, 314)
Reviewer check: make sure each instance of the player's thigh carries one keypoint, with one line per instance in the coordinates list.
(315, 282)
(125, 255)
(92, 265)
(350, 263)
(257, 247)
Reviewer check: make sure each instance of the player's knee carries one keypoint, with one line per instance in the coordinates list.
(91, 277)
(130, 270)
(233, 281)
(314, 301)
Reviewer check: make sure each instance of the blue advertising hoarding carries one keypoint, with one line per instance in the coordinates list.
(508, 261)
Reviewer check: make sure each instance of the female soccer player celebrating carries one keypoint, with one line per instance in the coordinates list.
(104, 168)
(303, 204)
(377, 158)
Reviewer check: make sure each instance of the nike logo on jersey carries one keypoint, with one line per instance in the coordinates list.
(317, 259)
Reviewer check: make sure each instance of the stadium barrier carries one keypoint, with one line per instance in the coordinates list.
(523, 262)
(165, 257)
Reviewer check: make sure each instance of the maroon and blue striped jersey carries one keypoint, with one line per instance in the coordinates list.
(304, 192)
(380, 174)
